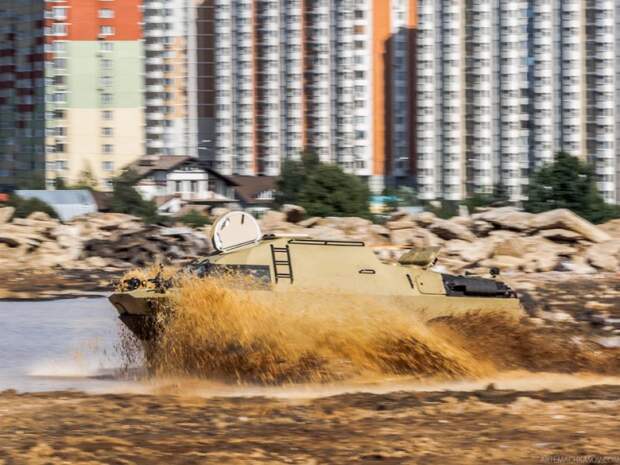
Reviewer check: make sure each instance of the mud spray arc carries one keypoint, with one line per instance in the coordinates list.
(216, 332)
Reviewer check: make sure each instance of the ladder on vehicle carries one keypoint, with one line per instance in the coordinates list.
(282, 268)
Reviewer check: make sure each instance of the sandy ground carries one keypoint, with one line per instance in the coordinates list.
(484, 426)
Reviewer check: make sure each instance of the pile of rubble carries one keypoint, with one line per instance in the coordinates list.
(506, 238)
(108, 240)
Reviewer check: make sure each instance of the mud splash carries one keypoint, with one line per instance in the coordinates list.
(243, 336)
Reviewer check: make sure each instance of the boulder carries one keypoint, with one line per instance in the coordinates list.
(611, 227)
(481, 228)
(218, 211)
(477, 251)
(310, 222)
(400, 215)
(293, 213)
(561, 235)
(6, 213)
(577, 265)
(401, 224)
(509, 218)
(503, 262)
(565, 219)
(325, 232)
(39, 216)
(605, 256)
(347, 223)
(425, 219)
(522, 246)
(272, 220)
(540, 262)
(449, 230)
(415, 237)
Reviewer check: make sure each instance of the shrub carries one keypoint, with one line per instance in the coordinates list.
(126, 199)
(195, 219)
(568, 183)
(322, 189)
(25, 207)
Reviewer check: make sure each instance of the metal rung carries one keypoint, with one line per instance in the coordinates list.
(282, 262)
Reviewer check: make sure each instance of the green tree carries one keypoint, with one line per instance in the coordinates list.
(126, 199)
(25, 207)
(195, 219)
(568, 183)
(322, 189)
(60, 184)
(87, 180)
(498, 198)
(293, 177)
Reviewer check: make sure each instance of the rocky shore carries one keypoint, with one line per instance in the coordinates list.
(85, 254)
(506, 238)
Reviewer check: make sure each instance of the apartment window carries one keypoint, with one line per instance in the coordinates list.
(106, 30)
(107, 132)
(106, 13)
(107, 166)
(59, 97)
(59, 46)
(193, 186)
(106, 99)
(59, 148)
(59, 114)
(60, 63)
(107, 115)
(106, 81)
(60, 131)
(106, 64)
(59, 13)
(107, 148)
(59, 80)
(106, 46)
(59, 29)
(61, 165)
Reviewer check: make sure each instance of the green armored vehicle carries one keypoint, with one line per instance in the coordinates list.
(312, 268)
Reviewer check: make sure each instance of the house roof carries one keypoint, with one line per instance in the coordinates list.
(249, 187)
(163, 199)
(145, 166)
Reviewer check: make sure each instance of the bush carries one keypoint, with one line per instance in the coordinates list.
(25, 207)
(568, 183)
(126, 199)
(194, 219)
(322, 189)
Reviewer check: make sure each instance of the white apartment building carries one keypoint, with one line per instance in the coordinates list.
(333, 76)
(503, 85)
(171, 71)
(472, 77)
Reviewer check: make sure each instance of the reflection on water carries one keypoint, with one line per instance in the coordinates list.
(65, 344)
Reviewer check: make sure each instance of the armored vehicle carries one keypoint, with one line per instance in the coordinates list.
(313, 268)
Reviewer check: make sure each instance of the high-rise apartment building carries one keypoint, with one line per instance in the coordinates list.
(171, 70)
(333, 76)
(504, 85)
(71, 98)
(472, 97)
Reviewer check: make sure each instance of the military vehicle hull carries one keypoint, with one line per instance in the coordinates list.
(307, 270)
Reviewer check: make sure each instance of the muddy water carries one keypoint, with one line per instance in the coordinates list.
(57, 345)
(74, 345)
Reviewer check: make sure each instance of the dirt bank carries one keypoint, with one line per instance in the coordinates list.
(486, 426)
